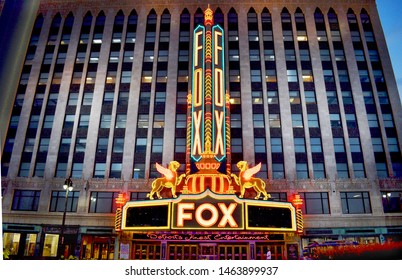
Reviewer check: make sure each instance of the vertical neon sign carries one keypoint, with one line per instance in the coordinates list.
(219, 92)
(197, 110)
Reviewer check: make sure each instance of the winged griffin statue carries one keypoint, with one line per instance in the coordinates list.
(246, 180)
(170, 180)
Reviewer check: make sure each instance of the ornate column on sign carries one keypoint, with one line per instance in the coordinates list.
(298, 202)
(120, 201)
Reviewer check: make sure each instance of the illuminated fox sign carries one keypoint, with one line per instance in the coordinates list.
(208, 108)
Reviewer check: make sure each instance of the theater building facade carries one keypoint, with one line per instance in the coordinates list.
(183, 130)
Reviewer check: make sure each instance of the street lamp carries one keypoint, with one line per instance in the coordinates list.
(68, 187)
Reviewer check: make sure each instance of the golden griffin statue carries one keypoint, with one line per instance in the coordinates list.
(170, 180)
(246, 180)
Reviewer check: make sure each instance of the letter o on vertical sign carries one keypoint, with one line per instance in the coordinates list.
(214, 215)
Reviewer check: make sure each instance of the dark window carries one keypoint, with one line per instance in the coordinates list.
(58, 201)
(392, 201)
(103, 202)
(315, 202)
(25, 200)
(355, 202)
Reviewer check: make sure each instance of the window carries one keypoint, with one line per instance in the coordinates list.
(143, 121)
(69, 121)
(102, 145)
(65, 145)
(61, 170)
(29, 145)
(270, 76)
(307, 76)
(368, 97)
(115, 170)
(39, 169)
(50, 245)
(44, 145)
(278, 171)
(121, 120)
(58, 201)
(108, 98)
(77, 170)
(315, 202)
(274, 120)
(319, 170)
(273, 97)
(235, 120)
(310, 97)
(382, 171)
(339, 145)
(25, 200)
(73, 99)
(355, 202)
(292, 76)
(300, 146)
(301, 171)
(316, 146)
(80, 145)
(313, 120)
(123, 98)
(84, 121)
(180, 145)
(393, 145)
(372, 120)
(332, 97)
(141, 145)
(99, 171)
(294, 97)
(157, 145)
(392, 201)
(103, 202)
(236, 145)
(257, 97)
(335, 120)
(259, 145)
(279, 196)
(138, 196)
(383, 97)
(139, 171)
(181, 121)
(297, 120)
(159, 121)
(328, 76)
(388, 120)
(347, 97)
(358, 170)
(258, 120)
(276, 145)
(377, 145)
(342, 170)
(118, 145)
(354, 143)
(87, 100)
(351, 120)
(105, 121)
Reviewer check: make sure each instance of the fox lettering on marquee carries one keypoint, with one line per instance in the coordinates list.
(220, 216)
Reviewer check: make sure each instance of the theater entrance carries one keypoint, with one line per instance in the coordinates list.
(208, 251)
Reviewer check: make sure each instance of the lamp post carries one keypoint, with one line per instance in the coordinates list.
(68, 187)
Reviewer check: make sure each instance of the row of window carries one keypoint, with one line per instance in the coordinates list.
(105, 202)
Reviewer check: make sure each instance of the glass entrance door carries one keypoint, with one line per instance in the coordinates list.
(277, 251)
(182, 252)
(233, 252)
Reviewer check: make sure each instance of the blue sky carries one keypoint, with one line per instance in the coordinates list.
(390, 14)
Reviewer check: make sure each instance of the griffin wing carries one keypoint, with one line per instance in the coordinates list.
(165, 171)
(251, 171)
